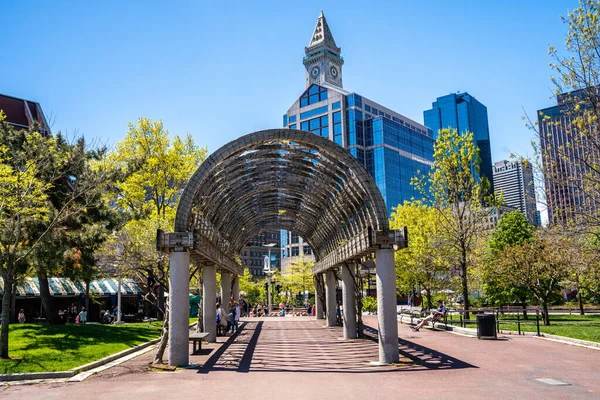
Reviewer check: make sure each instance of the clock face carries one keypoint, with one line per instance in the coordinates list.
(333, 71)
(314, 72)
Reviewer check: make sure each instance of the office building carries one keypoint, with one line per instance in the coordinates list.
(514, 180)
(254, 253)
(392, 147)
(565, 153)
(463, 112)
(23, 114)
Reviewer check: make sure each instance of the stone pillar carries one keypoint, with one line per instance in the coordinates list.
(225, 289)
(386, 305)
(319, 306)
(349, 303)
(179, 304)
(209, 303)
(330, 297)
(236, 287)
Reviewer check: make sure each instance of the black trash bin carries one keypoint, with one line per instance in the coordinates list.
(486, 326)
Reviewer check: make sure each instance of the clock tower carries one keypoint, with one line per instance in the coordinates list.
(323, 61)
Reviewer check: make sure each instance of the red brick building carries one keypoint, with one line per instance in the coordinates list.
(23, 113)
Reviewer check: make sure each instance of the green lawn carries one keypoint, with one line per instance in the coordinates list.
(585, 327)
(41, 347)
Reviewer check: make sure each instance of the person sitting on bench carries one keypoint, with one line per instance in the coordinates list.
(435, 314)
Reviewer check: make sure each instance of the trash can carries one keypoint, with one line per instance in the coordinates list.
(486, 326)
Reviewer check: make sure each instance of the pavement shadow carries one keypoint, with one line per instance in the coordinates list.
(424, 356)
(268, 348)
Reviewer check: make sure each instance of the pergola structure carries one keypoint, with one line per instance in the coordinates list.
(281, 179)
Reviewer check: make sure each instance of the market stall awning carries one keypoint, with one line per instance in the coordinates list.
(74, 287)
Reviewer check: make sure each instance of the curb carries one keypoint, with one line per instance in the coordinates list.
(571, 341)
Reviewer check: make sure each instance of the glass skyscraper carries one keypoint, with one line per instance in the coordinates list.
(392, 147)
(463, 112)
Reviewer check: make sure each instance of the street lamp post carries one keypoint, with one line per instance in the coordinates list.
(119, 251)
(267, 269)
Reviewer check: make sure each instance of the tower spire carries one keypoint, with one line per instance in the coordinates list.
(322, 35)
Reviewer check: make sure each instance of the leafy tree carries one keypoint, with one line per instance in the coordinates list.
(154, 169)
(539, 264)
(42, 186)
(299, 279)
(425, 261)
(513, 228)
(460, 198)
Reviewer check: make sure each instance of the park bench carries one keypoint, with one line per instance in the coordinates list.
(412, 311)
(197, 338)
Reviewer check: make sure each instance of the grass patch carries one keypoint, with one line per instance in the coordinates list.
(42, 347)
(584, 327)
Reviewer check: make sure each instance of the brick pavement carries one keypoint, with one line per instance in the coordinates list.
(299, 358)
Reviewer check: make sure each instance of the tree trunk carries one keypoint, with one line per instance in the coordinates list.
(465, 287)
(579, 297)
(546, 317)
(6, 297)
(428, 295)
(47, 300)
(87, 297)
(164, 340)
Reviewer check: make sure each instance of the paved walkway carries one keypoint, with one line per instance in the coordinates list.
(296, 358)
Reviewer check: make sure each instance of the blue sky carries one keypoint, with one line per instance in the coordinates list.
(218, 70)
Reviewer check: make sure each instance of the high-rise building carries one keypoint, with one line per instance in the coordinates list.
(254, 253)
(463, 112)
(514, 180)
(392, 147)
(565, 153)
(23, 114)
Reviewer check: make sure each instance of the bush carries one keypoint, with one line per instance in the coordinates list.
(369, 304)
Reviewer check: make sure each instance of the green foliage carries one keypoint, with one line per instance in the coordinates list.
(462, 201)
(153, 170)
(513, 228)
(299, 278)
(369, 304)
(424, 263)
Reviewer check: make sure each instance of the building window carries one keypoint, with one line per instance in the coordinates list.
(337, 127)
(313, 95)
(295, 251)
(318, 126)
(312, 113)
(335, 106)
(293, 126)
(367, 108)
(292, 119)
(285, 120)
(354, 100)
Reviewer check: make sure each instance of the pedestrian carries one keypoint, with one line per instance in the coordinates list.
(258, 310)
(21, 316)
(338, 313)
(281, 310)
(232, 313)
(82, 316)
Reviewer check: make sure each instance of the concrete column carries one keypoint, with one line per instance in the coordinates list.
(179, 304)
(330, 297)
(209, 303)
(349, 303)
(319, 306)
(225, 288)
(236, 287)
(386, 305)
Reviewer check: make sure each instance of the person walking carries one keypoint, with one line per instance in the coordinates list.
(21, 316)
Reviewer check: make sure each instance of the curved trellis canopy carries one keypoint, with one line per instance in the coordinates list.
(283, 179)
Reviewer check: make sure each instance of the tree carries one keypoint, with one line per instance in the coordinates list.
(299, 279)
(424, 263)
(513, 228)
(154, 169)
(32, 166)
(539, 264)
(460, 197)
